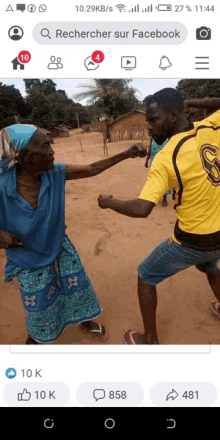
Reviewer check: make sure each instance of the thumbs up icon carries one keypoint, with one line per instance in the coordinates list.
(25, 396)
(10, 373)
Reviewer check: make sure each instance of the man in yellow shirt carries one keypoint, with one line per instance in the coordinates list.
(190, 164)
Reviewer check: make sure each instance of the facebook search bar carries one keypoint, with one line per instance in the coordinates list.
(110, 33)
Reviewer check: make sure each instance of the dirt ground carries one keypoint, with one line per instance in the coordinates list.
(111, 246)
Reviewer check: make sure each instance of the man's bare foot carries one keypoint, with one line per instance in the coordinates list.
(136, 338)
(164, 203)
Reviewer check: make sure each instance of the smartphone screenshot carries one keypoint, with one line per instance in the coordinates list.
(109, 217)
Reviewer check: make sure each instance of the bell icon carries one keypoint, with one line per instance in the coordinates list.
(164, 63)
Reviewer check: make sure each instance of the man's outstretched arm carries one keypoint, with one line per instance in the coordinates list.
(81, 172)
(137, 208)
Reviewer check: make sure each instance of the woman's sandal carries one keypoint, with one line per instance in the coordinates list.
(100, 334)
(215, 309)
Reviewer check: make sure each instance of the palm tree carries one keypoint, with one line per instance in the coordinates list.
(116, 95)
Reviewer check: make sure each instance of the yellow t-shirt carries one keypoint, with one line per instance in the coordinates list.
(190, 164)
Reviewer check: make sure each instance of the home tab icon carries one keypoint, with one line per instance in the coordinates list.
(17, 64)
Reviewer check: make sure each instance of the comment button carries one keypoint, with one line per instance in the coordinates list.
(110, 394)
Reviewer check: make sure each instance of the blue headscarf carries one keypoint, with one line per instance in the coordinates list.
(13, 139)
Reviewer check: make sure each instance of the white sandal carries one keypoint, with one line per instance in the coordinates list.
(214, 311)
(98, 334)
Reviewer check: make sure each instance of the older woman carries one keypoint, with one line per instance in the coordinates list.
(55, 289)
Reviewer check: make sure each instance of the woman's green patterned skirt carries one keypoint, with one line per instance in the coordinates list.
(56, 296)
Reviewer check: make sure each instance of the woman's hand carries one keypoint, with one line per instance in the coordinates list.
(103, 201)
(8, 240)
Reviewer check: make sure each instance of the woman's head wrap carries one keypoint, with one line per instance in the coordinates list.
(14, 139)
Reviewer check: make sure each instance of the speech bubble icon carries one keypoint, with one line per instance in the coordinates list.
(90, 65)
(98, 394)
(21, 7)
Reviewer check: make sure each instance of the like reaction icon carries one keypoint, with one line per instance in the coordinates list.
(25, 396)
(11, 373)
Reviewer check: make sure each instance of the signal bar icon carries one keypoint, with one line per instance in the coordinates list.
(137, 9)
(148, 9)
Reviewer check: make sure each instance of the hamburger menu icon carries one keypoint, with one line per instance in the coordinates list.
(15, 33)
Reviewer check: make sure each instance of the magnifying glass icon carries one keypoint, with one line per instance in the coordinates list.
(45, 33)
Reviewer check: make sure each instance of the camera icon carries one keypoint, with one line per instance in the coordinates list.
(203, 33)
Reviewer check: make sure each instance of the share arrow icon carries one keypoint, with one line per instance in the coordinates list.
(173, 395)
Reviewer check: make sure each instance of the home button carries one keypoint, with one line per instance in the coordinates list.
(109, 423)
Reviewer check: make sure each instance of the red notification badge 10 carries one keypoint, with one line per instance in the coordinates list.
(24, 56)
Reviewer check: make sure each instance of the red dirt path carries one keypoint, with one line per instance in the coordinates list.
(111, 246)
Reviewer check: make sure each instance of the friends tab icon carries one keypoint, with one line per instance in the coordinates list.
(55, 63)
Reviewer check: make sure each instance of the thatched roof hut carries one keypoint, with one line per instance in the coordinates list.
(133, 125)
(58, 132)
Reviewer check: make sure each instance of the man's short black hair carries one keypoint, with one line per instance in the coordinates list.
(168, 99)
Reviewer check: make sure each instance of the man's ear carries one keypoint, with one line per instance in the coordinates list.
(174, 115)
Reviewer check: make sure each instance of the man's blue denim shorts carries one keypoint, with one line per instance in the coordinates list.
(169, 258)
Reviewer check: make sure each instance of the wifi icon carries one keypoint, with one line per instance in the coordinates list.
(121, 7)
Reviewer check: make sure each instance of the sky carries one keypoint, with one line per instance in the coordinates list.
(144, 86)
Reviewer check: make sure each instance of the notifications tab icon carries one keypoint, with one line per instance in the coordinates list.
(164, 63)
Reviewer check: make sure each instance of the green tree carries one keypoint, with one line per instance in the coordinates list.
(49, 107)
(11, 104)
(40, 114)
(198, 88)
(30, 84)
(115, 96)
(47, 85)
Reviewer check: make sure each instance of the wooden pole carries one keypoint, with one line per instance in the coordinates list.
(80, 144)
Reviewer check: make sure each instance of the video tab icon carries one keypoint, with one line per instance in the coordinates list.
(128, 63)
